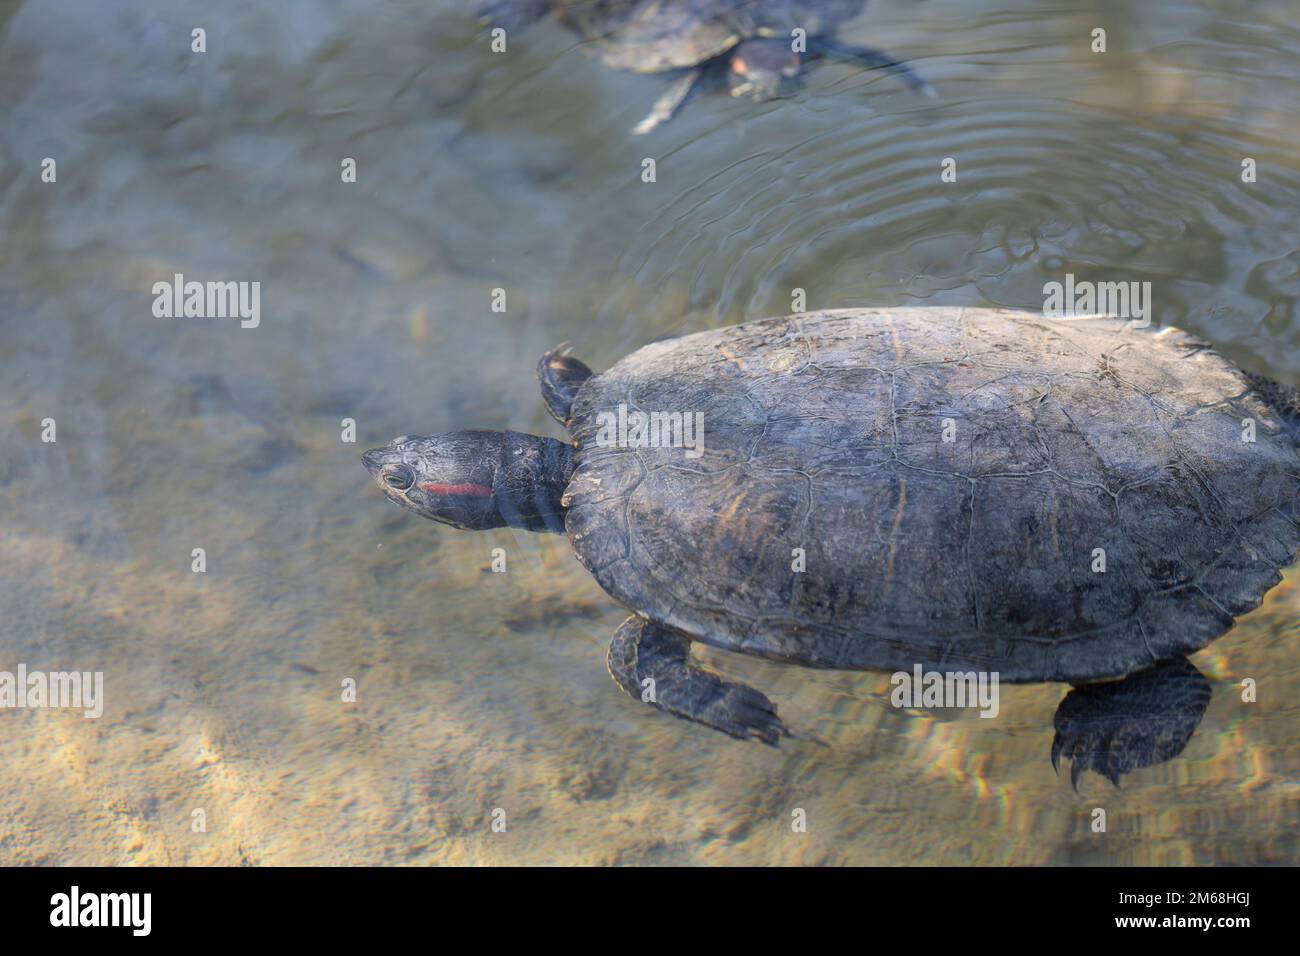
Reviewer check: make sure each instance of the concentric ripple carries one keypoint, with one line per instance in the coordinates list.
(1123, 166)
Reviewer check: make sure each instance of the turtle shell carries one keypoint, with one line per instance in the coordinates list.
(961, 488)
(815, 17)
(651, 36)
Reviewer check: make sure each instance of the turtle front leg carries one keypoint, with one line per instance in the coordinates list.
(561, 375)
(1114, 727)
(652, 663)
(669, 103)
(871, 58)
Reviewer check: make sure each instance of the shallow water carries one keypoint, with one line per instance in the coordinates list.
(479, 691)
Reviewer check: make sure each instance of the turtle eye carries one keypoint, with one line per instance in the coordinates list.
(399, 477)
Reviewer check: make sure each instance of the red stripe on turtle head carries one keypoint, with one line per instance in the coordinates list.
(465, 488)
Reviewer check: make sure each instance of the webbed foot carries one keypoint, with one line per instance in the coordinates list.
(1119, 726)
(652, 663)
(561, 375)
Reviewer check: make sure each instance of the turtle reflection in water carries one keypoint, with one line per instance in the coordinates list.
(951, 476)
(757, 45)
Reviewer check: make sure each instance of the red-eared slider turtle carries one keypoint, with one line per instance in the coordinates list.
(754, 44)
(963, 490)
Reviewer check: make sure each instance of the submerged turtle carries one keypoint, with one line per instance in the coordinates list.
(755, 44)
(959, 490)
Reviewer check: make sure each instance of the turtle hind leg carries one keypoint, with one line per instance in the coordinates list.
(561, 376)
(1284, 399)
(652, 663)
(1140, 721)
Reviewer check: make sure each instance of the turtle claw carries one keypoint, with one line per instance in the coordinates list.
(1116, 727)
(741, 712)
(1081, 758)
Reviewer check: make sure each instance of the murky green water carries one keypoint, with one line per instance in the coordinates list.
(479, 691)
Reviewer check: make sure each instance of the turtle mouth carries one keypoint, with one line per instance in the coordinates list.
(373, 460)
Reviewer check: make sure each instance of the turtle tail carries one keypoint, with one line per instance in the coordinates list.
(1283, 399)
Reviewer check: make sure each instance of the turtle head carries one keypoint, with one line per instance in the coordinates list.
(477, 479)
(757, 68)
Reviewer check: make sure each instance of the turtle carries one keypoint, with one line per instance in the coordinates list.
(756, 45)
(953, 491)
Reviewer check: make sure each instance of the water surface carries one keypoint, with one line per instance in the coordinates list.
(476, 690)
